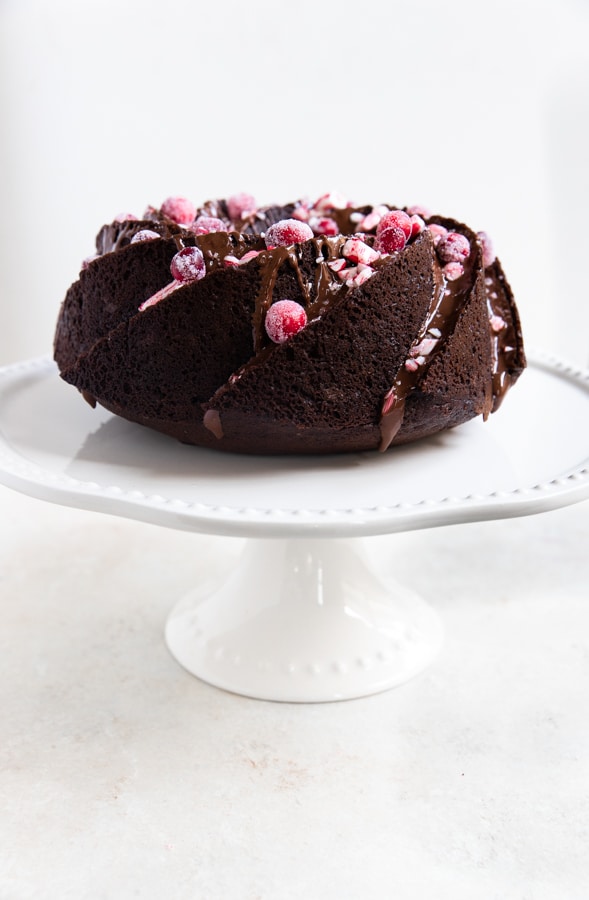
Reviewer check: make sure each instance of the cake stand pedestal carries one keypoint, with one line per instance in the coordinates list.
(303, 620)
(302, 616)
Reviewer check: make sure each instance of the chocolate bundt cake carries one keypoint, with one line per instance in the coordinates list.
(306, 328)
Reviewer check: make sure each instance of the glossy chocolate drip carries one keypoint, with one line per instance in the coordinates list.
(505, 349)
(447, 301)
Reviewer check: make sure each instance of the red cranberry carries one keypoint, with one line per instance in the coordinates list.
(146, 234)
(487, 245)
(453, 270)
(207, 224)
(240, 206)
(125, 217)
(287, 232)
(438, 232)
(188, 265)
(284, 319)
(390, 240)
(395, 219)
(179, 210)
(453, 248)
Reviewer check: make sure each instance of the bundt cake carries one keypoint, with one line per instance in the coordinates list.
(308, 328)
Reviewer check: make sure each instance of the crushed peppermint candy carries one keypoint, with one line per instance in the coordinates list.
(284, 319)
(359, 252)
(497, 324)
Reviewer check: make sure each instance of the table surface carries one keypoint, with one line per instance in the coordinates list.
(123, 776)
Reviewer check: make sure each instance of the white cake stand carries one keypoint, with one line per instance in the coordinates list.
(301, 617)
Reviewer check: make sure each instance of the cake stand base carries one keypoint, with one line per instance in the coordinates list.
(303, 620)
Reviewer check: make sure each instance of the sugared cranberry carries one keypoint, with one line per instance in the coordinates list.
(453, 270)
(437, 232)
(284, 319)
(396, 218)
(188, 265)
(125, 217)
(287, 232)
(240, 206)
(453, 248)
(418, 210)
(390, 240)
(179, 210)
(207, 224)
(487, 245)
(146, 234)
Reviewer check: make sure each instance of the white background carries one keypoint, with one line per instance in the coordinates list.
(478, 111)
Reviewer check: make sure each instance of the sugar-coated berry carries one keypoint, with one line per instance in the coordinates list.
(188, 265)
(453, 270)
(207, 225)
(125, 217)
(453, 248)
(287, 232)
(284, 319)
(390, 240)
(487, 245)
(396, 218)
(240, 206)
(438, 232)
(146, 234)
(179, 210)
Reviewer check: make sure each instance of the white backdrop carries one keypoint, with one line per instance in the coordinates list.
(476, 110)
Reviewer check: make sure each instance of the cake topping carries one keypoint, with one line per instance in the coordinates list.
(284, 319)
(487, 245)
(188, 265)
(453, 247)
(396, 218)
(391, 240)
(179, 210)
(146, 234)
(241, 206)
(288, 232)
(207, 225)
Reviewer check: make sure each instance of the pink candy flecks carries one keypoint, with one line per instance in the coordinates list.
(179, 210)
(287, 232)
(284, 319)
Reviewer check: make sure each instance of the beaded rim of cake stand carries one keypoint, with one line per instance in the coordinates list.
(430, 512)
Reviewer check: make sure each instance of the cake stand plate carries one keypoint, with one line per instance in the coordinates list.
(301, 617)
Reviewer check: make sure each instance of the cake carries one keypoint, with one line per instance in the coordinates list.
(313, 327)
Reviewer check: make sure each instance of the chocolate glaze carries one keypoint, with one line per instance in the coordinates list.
(448, 299)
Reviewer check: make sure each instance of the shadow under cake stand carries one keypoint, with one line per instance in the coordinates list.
(302, 616)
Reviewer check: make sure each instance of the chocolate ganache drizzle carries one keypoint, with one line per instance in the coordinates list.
(321, 284)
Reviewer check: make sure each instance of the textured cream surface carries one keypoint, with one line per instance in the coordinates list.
(123, 776)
